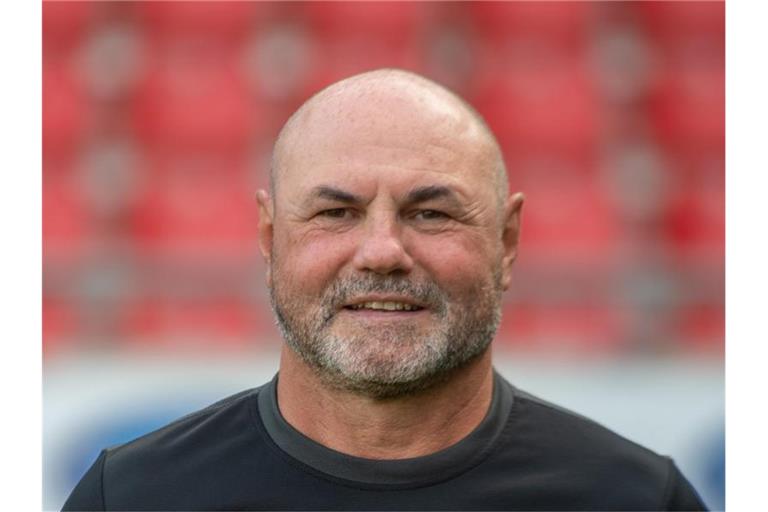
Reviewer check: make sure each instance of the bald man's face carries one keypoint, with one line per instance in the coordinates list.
(386, 250)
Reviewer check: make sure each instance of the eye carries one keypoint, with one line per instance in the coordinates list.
(430, 215)
(334, 213)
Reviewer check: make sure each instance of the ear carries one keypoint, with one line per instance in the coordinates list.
(510, 235)
(266, 229)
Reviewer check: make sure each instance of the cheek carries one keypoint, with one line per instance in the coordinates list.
(457, 264)
(309, 263)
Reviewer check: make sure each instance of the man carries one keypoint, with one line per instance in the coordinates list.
(389, 237)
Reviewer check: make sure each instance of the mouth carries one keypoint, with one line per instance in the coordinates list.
(384, 306)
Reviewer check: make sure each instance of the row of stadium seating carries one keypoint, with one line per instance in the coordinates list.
(182, 89)
(69, 21)
(237, 324)
(203, 209)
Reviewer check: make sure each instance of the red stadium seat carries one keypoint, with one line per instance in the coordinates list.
(223, 20)
(353, 37)
(64, 26)
(701, 328)
(562, 329)
(688, 109)
(65, 110)
(65, 221)
(197, 208)
(564, 22)
(541, 107)
(695, 225)
(339, 58)
(671, 20)
(568, 219)
(388, 20)
(194, 101)
(694, 217)
(207, 324)
(60, 326)
(687, 105)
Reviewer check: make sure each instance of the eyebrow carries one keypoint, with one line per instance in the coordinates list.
(430, 192)
(335, 194)
(417, 195)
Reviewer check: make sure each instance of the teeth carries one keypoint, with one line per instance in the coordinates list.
(386, 306)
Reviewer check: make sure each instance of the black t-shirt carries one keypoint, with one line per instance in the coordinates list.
(240, 454)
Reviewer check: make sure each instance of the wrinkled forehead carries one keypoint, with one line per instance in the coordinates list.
(405, 128)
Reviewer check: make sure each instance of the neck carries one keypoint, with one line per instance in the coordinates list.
(397, 428)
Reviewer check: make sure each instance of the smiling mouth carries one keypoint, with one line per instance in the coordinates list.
(385, 306)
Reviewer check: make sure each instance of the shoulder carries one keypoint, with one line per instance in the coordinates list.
(562, 446)
(189, 428)
(182, 455)
(568, 432)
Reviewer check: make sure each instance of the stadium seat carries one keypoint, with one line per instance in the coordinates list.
(688, 108)
(695, 225)
(352, 37)
(60, 325)
(65, 221)
(562, 329)
(388, 20)
(337, 58)
(196, 101)
(541, 107)
(223, 20)
(65, 110)
(65, 24)
(197, 208)
(567, 23)
(701, 328)
(687, 104)
(194, 324)
(672, 20)
(567, 219)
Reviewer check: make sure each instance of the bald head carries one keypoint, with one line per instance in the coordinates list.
(387, 103)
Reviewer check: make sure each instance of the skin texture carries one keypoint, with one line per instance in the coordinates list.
(387, 186)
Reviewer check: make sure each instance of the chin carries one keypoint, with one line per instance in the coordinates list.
(378, 388)
(391, 376)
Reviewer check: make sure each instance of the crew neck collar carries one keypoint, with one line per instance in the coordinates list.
(416, 471)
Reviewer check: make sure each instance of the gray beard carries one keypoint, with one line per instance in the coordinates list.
(396, 360)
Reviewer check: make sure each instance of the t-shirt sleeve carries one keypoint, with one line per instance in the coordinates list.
(680, 493)
(88, 494)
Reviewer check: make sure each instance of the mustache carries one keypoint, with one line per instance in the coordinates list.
(343, 290)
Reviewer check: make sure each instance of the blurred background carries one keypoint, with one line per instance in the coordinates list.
(158, 121)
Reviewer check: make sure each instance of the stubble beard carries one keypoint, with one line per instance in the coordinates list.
(398, 359)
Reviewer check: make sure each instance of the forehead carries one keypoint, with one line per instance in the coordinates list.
(387, 137)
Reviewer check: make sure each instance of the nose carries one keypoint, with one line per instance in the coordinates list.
(381, 248)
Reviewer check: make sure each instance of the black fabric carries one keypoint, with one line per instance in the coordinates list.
(240, 454)
(442, 465)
